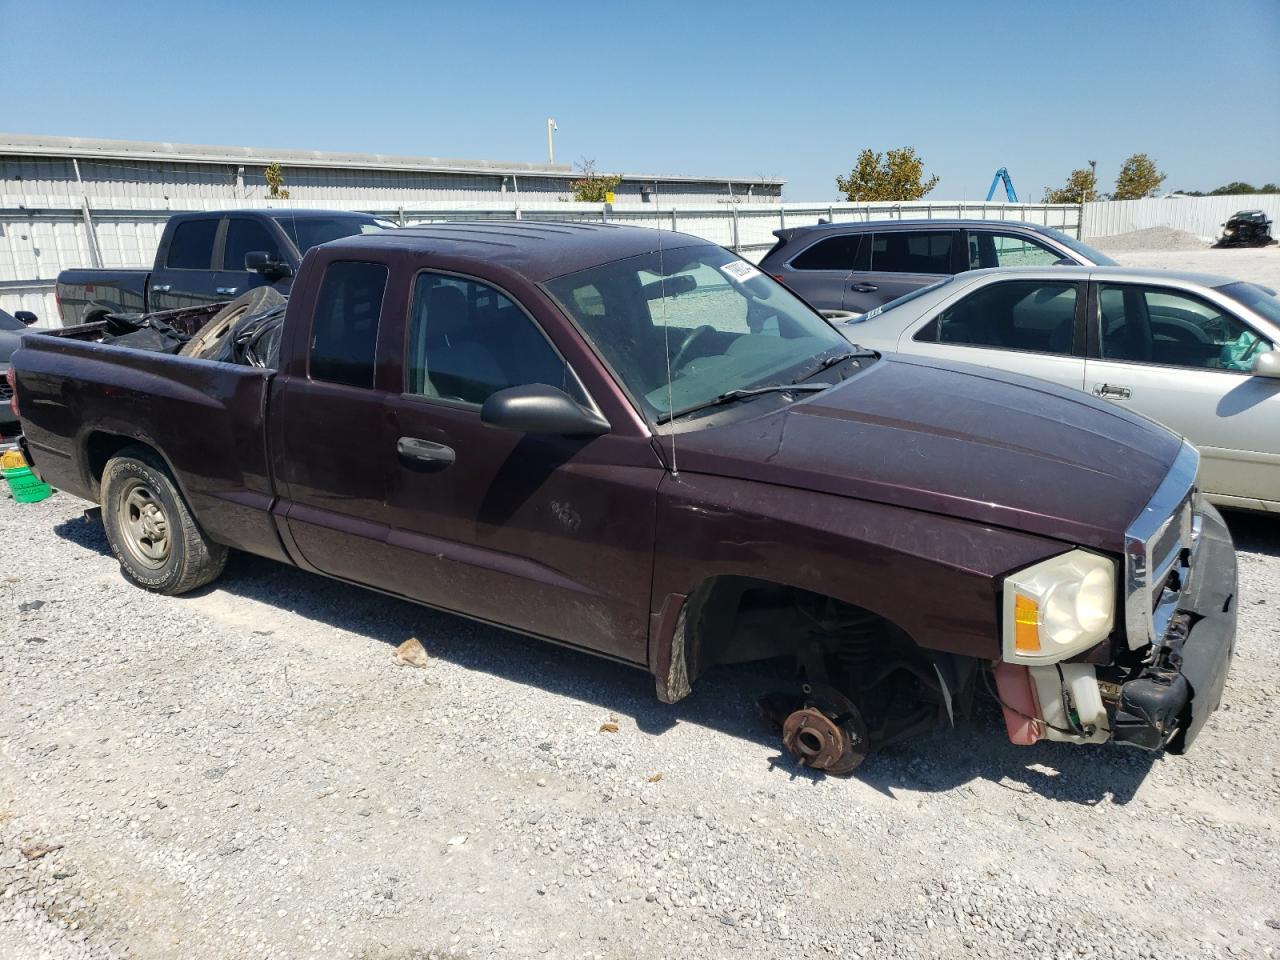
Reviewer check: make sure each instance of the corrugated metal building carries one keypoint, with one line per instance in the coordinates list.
(173, 174)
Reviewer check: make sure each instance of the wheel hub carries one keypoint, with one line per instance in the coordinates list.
(145, 526)
(827, 732)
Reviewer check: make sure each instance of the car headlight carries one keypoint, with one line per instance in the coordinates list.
(1058, 607)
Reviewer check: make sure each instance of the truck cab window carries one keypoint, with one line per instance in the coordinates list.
(467, 340)
(247, 236)
(344, 331)
(192, 245)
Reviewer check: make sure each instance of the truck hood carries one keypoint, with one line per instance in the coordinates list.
(954, 439)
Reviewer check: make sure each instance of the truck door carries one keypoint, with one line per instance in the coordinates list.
(184, 274)
(246, 235)
(331, 463)
(548, 534)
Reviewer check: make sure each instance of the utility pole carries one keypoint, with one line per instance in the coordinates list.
(551, 147)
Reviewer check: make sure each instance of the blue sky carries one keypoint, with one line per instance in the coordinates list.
(745, 89)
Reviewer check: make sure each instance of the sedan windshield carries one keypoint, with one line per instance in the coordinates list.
(10, 323)
(1256, 298)
(308, 232)
(684, 326)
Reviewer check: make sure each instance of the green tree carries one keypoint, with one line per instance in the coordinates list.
(896, 175)
(1138, 178)
(1081, 187)
(275, 182)
(593, 187)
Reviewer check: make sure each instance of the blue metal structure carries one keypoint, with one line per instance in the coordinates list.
(1003, 174)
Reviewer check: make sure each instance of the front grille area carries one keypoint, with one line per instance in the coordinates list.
(1159, 552)
(6, 392)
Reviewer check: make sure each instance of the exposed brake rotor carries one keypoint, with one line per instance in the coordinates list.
(827, 732)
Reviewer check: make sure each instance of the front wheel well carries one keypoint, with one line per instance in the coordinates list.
(831, 642)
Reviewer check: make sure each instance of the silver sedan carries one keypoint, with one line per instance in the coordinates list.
(1195, 352)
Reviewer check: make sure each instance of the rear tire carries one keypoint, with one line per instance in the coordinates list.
(150, 528)
(208, 339)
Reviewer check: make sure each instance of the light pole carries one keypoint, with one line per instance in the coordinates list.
(551, 147)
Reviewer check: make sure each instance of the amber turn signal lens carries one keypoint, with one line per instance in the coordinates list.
(1026, 619)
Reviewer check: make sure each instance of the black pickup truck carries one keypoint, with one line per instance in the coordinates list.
(207, 257)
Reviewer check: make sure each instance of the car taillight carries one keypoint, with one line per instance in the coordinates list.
(11, 378)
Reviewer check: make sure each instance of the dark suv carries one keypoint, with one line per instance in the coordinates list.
(858, 266)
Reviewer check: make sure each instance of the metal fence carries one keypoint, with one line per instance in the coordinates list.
(41, 236)
(1201, 216)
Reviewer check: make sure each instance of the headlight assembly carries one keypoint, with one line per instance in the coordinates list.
(1058, 607)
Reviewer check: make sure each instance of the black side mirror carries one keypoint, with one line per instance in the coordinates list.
(1065, 262)
(537, 408)
(25, 317)
(259, 261)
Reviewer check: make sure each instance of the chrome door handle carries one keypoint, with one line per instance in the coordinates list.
(864, 287)
(411, 448)
(160, 287)
(225, 291)
(1111, 391)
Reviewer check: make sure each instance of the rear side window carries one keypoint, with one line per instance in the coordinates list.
(1035, 316)
(848, 252)
(247, 236)
(344, 332)
(192, 245)
(906, 251)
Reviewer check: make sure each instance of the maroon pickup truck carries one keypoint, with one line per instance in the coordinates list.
(636, 444)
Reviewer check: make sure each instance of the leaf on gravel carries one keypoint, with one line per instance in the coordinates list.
(38, 850)
(457, 841)
(609, 727)
(410, 654)
(655, 778)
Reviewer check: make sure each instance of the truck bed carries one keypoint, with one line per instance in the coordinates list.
(85, 400)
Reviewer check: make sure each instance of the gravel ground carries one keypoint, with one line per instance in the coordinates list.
(246, 772)
(1152, 238)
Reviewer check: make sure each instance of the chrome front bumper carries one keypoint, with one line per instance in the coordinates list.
(1180, 603)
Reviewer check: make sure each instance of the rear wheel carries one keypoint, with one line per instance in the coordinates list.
(150, 529)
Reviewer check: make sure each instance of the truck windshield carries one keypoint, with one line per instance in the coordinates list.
(308, 232)
(699, 314)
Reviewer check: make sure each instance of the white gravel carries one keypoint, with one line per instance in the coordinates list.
(1151, 238)
(246, 773)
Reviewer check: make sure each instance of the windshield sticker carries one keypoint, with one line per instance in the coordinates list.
(739, 271)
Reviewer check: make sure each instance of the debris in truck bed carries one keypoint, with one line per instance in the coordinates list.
(254, 340)
(143, 332)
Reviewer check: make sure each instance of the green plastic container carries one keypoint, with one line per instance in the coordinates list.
(25, 486)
